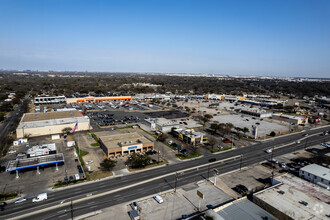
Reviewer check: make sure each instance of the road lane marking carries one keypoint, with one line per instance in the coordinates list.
(119, 189)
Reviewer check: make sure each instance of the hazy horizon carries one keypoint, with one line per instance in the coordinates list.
(237, 38)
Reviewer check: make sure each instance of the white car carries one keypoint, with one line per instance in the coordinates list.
(11, 151)
(158, 199)
(275, 161)
(89, 162)
(170, 142)
(22, 199)
(283, 165)
(268, 151)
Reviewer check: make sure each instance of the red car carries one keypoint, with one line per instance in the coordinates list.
(227, 141)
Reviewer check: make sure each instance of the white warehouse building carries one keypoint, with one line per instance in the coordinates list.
(316, 174)
(161, 124)
(38, 124)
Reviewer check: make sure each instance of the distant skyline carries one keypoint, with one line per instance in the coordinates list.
(254, 37)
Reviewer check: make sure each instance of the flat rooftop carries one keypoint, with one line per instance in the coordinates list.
(162, 121)
(296, 190)
(20, 164)
(317, 170)
(120, 140)
(242, 209)
(30, 117)
(289, 116)
(51, 122)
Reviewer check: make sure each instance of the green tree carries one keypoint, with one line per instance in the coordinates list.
(215, 127)
(245, 130)
(212, 141)
(138, 160)
(108, 164)
(66, 130)
(204, 119)
(162, 137)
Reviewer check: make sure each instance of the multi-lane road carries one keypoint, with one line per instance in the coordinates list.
(97, 195)
(10, 123)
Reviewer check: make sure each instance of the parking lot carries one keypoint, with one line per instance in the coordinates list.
(184, 202)
(109, 118)
(265, 127)
(29, 181)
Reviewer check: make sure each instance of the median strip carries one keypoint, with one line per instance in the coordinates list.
(116, 190)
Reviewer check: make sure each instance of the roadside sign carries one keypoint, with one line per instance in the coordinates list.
(201, 195)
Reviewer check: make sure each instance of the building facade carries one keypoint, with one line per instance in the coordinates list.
(39, 124)
(316, 174)
(296, 120)
(97, 99)
(124, 144)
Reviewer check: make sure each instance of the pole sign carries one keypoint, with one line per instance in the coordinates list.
(201, 195)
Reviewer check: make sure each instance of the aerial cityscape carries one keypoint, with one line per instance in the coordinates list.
(165, 109)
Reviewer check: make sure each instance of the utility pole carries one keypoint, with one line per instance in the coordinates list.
(71, 210)
(208, 172)
(240, 163)
(176, 180)
(158, 153)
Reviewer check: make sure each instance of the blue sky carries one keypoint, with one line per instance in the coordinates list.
(248, 37)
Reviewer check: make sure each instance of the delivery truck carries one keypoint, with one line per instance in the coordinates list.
(40, 197)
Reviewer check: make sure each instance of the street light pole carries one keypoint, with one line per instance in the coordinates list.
(240, 164)
(176, 180)
(71, 210)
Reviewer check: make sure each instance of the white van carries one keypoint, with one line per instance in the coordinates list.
(40, 197)
(158, 199)
(77, 176)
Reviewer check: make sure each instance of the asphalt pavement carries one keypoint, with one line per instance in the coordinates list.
(127, 188)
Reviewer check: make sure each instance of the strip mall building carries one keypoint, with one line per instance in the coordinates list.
(98, 99)
(62, 99)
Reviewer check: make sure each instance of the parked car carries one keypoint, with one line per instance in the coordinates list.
(76, 160)
(79, 169)
(2, 169)
(227, 141)
(159, 199)
(3, 203)
(11, 151)
(21, 154)
(170, 142)
(22, 199)
(274, 161)
(71, 178)
(283, 165)
(89, 162)
(134, 206)
(305, 135)
(66, 179)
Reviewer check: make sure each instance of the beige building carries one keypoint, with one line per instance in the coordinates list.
(38, 124)
(124, 144)
(98, 99)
